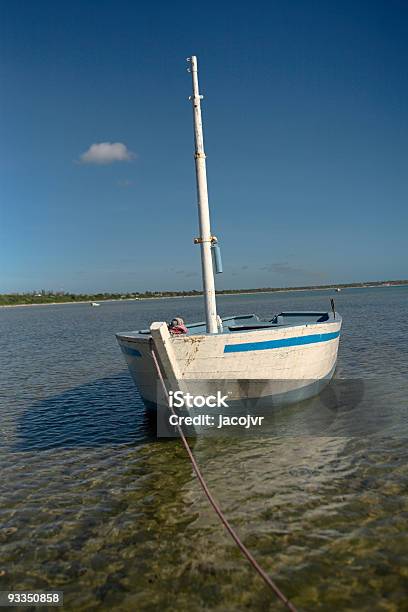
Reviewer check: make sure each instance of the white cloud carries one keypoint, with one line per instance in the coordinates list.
(106, 153)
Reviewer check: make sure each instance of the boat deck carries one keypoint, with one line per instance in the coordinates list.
(251, 322)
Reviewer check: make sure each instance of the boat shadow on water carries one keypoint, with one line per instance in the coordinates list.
(105, 411)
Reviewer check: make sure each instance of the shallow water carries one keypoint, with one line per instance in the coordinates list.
(92, 504)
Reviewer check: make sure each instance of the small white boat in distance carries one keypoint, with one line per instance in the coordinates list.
(95, 304)
(287, 357)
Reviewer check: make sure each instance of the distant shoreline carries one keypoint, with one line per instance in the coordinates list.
(333, 288)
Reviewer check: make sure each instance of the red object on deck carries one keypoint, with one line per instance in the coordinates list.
(177, 326)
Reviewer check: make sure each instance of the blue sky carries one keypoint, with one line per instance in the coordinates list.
(306, 131)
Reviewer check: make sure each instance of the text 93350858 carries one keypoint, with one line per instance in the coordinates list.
(31, 598)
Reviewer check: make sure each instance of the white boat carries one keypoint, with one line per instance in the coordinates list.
(95, 304)
(287, 357)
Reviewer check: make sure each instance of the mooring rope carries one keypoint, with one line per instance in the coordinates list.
(267, 579)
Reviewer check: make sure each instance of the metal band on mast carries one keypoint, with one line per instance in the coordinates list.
(205, 239)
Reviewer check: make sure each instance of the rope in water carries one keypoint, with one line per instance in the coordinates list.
(267, 579)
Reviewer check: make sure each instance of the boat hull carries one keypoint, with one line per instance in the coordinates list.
(266, 367)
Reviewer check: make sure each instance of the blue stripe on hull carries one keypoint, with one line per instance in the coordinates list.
(284, 342)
